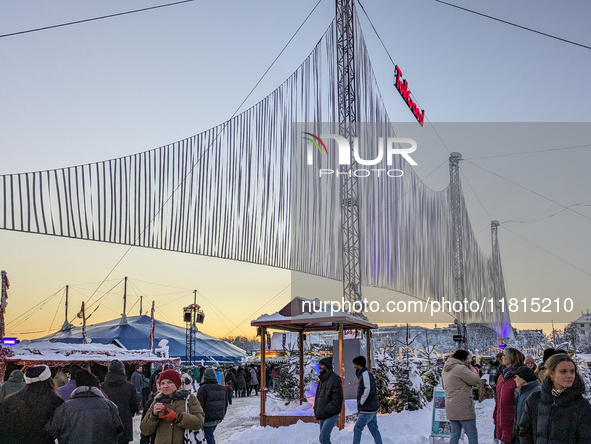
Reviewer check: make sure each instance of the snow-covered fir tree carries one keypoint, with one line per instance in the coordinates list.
(383, 378)
(406, 389)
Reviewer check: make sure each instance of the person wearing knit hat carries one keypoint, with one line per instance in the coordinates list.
(213, 397)
(24, 414)
(171, 375)
(530, 362)
(367, 402)
(527, 383)
(327, 362)
(122, 392)
(86, 379)
(172, 407)
(329, 399)
(88, 416)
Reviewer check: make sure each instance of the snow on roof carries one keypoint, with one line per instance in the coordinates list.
(59, 353)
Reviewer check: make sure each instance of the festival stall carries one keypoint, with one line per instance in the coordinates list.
(304, 316)
(55, 354)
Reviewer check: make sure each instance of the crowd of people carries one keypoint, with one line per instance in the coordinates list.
(541, 404)
(534, 404)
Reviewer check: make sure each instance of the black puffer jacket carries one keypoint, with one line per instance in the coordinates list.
(87, 417)
(329, 396)
(122, 392)
(548, 419)
(213, 397)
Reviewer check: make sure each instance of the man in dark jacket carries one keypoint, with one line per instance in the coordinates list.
(213, 397)
(329, 399)
(367, 402)
(137, 379)
(122, 392)
(87, 417)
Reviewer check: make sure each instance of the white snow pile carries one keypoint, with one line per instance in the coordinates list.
(396, 428)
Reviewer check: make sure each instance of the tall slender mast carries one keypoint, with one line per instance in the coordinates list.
(458, 255)
(347, 119)
(3, 303)
(66, 325)
(123, 317)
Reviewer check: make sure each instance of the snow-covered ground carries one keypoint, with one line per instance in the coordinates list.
(241, 427)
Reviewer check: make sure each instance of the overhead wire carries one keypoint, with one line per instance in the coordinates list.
(528, 152)
(531, 191)
(546, 251)
(515, 24)
(93, 19)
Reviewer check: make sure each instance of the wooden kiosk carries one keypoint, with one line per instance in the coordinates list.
(300, 316)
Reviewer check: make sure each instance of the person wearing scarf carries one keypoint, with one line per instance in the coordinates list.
(504, 413)
(558, 413)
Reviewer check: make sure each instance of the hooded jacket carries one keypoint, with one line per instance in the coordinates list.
(457, 379)
(329, 396)
(521, 395)
(565, 419)
(213, 398)
(504, 413)
(86, 418)
(123, 394)
(173, 433)
(15, 382)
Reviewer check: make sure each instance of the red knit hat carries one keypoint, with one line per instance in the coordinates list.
(171, 375)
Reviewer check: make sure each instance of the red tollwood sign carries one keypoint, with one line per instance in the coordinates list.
(403, 89)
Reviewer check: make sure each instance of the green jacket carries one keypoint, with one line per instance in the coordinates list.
(173, 433)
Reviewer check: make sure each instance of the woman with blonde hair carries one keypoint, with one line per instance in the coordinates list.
(504, 413)
(558, 413)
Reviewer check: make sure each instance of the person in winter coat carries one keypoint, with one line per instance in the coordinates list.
(187, 382)
(527, 383)
(122, 392)
(247, 380)
(530, 363)
(457, 378)
(213, 398)
(154, 379)
(240, 383)
(329, 399)
(541, 370)
(66, 390)
(87, 417)
(24, 414)
(504, 413)
(137, 379)
(15, 382)
(558, 414)
(254, 381)
(493, 376)
(367, 402)
(168, 415)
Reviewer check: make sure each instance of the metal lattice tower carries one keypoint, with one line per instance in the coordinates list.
(347, 112)
(458, 256)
